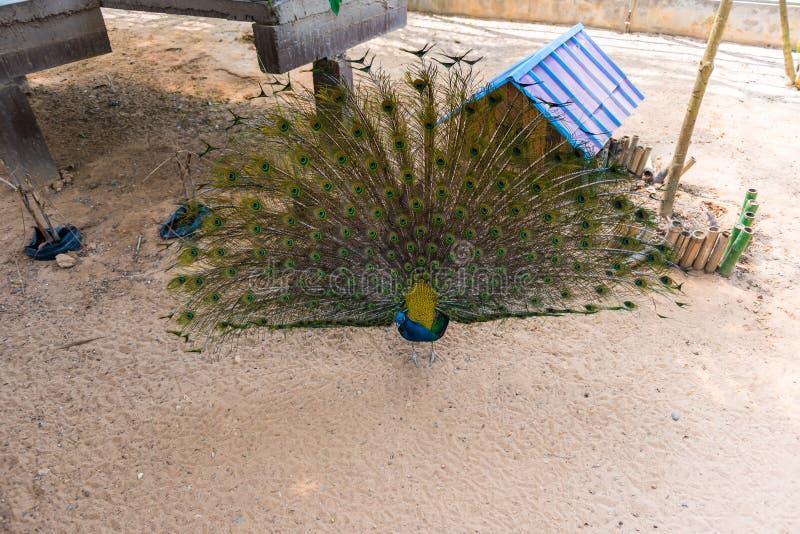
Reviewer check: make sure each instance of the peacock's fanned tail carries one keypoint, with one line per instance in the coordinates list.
(331, 207)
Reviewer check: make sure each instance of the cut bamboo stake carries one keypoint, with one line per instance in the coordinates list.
(735, 252)
(751, 206)
(682, 245)
(636, 159)
(674, 232)
(701, 81)
(624, 143)
(643, 161)
(705, 251)
(748, 218)
(717, 252)
(649, 172)
(695, 242)
(689, 165)
(751, 194)
(631, 150)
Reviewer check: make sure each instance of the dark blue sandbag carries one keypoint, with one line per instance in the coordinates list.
(70, 239)
(169, 232)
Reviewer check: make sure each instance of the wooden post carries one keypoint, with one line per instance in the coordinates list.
(332, 71)
(696, 98)
(22, 145)
(705, 251)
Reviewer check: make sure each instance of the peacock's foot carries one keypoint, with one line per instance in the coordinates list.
(413, 358)
(434, 355)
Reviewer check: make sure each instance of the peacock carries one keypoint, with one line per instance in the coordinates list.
(411, 202)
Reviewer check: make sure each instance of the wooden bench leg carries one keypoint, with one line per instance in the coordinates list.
(22, 146)
(332, 71)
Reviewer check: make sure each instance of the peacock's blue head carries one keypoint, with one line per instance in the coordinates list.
(399, 318)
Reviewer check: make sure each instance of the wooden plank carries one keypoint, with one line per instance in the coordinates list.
(293, 43)
(33, 44)
(31, 10)
(244, 10)
(22, 146)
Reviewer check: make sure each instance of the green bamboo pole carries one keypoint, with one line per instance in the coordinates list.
(751, 194)
(733, 255)
(747, 218)
(751, 206)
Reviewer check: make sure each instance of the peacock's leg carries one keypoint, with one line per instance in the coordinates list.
(434, 354)
(414, 356)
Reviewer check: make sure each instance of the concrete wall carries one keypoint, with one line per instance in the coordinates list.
(753, 22)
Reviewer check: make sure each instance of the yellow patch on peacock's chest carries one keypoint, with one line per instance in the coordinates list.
(421, 304)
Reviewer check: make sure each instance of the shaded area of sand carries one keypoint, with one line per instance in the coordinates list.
(542, 424)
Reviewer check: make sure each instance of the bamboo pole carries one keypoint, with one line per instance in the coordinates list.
(751, 206)
(636, 159)
(643, 161)
(735, 252)
(695, 242)
(705, 251)
(674, 231)
(717, 252)
(751, 194)
(624, 143)
(689, 165)
(685, 137)
(631, 150)
(788, 62)
(682, 245)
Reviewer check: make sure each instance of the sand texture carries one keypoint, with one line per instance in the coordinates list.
(538, 425)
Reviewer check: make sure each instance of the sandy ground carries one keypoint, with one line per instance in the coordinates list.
(546, 425)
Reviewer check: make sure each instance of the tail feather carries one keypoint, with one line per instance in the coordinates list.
(330, 207)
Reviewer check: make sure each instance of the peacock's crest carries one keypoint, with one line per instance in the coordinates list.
(345, 207)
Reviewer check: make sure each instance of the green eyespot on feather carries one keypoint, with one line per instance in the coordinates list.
(349, 210)
(438, 219)
(177, 282)
(485, 209)
(357, 131)
(402, 220)
(341, 158)
(408, 175)
(186, 318)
